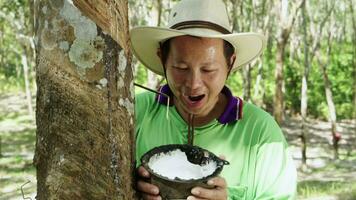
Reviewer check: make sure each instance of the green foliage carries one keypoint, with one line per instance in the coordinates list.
(340, 69)
(14, 24)
(339, 72)
(141, 74)
(234, 82)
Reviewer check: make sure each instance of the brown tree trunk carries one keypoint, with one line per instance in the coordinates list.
(246, 72)
(329, 96)
(286, 23)
(353, 56)
(258, 88)
(278, 96)
(84, 143)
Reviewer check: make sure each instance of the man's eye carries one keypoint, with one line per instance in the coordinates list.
(180, 68)
(208, 70)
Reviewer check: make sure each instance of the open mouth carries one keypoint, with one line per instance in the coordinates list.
(196, 98)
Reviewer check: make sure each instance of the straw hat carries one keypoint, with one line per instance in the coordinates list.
(201, 18)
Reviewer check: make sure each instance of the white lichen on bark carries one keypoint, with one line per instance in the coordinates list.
(122, 63)
(83, 51)
(48, 39)
(84, 55)
(64, 45)
(128, 104)
(120, 82)
(103, 82)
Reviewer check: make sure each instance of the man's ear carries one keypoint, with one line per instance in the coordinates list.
(232, 60)
(159, 53)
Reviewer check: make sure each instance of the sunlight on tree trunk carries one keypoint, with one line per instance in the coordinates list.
(304, 92)
(27, 82)
(258, 88)
(329, 96)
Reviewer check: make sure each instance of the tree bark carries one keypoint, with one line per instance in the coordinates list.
(84, 141)
(27, 81)
(329, 96)
(258, 90)
(278, 96)
(286, 23)
(315, 34)
(246, 72)
(263, 21)
(353, 19)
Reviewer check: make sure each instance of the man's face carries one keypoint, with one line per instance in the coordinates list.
(196, 72)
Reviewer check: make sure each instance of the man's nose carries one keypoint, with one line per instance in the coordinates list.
(194, 80)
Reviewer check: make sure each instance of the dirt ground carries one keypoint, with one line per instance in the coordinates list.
(17, 133)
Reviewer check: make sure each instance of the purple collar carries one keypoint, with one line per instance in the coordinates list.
(232, 112)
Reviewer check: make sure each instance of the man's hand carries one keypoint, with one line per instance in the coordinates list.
(217, 193)
(148, 190)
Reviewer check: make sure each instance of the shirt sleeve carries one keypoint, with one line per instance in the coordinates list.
(275, 176)
(142, 106)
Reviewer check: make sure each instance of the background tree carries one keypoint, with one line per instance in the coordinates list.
(84, 146)
(286, 22)
(21, 28)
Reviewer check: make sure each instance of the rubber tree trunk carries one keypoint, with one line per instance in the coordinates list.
(85, 112)
(24, 63)
(286, 22)
(258, 88)
(329, 99)
(278, 96)
(353, 19)
(246, 72)
(304, 92)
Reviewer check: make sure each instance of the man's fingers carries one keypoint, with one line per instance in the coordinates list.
(222, 157)
(218, 182)
(143, 172)
(217, 193)
(151, 197)
(194, 198)
(147, 188)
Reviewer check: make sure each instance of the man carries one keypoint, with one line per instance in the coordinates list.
(196, 54)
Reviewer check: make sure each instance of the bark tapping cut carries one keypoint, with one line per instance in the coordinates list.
(119, 106)
(74, 158)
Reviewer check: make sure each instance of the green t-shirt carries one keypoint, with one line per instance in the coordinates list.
(260, 163)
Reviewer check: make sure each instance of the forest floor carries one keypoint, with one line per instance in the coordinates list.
(324, 179)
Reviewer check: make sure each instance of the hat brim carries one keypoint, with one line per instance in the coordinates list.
(145, 42)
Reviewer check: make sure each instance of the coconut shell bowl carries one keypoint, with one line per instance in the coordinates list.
(177, 168)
